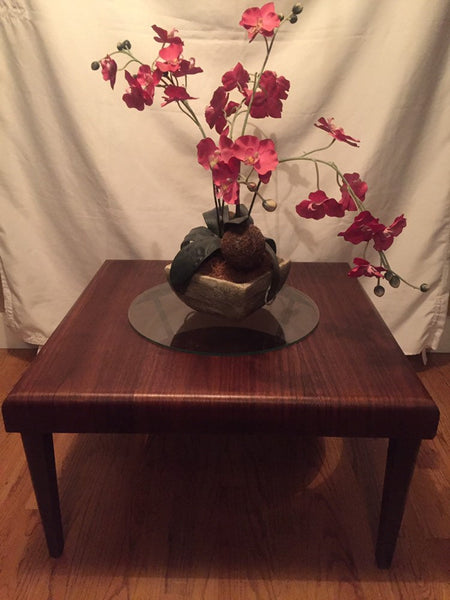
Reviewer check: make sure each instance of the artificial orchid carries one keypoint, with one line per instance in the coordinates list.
(239, 160)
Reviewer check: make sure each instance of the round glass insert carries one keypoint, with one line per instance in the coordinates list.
(160, 316)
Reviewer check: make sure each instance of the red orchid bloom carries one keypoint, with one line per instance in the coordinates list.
(109, 70)
(363, 267)
(363, 228)
(225, 167)
(187, 67)
(337, 132)
(383, 239)
(208, 154)
(175, 93)
(266, 101)
(236, 78)
(166, 37)
(358, 187)
(318, 206)
(142, 88)
(171, 56)
(225, 177)
(262, 20)
(259, 154)
(215, 112)
(366, 227)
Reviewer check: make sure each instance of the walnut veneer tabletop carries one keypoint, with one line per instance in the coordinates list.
(347, 378)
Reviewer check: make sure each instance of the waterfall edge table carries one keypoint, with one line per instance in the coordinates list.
(347, 378)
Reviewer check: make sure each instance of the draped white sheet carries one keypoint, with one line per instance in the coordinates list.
(83, 178)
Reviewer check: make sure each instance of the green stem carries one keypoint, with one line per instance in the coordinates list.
(335, 168)
(193, 116)
(255, 194)
(269, 47)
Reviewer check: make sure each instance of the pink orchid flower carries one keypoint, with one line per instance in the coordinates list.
(187, 67)
(337, 132)
(109, 70)
(319, 206)
(225, 167)
(208, 154)
(175, 93)
(363, 228)
(142, 88)
(262, 20)
(266, 100)
(383, 239)
(358, 187)
(363, 267)
(236, 78)
(215, 113)
(366, 227)
(259, 154)
(166, 37)
(171, 56)
(225, 177)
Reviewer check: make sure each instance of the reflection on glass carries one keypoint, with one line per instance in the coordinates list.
(159, 315)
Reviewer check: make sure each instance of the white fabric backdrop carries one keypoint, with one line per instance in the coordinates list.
(83, 178)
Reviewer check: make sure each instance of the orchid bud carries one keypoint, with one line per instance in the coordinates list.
(269, 205)
(281, 16)
(297, 9)
(251, 186)
(378, 290)
(394, 281)
(125, 45)
(388, 275)
(424, 287)
(95, 65)
(293, 19)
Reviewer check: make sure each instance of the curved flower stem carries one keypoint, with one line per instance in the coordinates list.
(317, 175)
(219, 213)
(192, 115)
(255, 194)
(128, 63)
(335, 168)
(128, 53)
(258, 75)
(318, 149)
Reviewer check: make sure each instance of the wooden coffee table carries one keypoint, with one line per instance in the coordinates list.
(348, 378)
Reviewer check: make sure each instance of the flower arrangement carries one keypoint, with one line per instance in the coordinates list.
(238, 160)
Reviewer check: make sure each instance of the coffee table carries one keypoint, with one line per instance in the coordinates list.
(348, 378)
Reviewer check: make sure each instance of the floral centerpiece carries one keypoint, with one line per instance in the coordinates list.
(238, 160)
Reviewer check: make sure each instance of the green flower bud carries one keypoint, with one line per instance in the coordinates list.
(378, 290)
(394, 281)
(293, 19)
(251, 186)
(95, 66)
(388, 275)
(297, 9)
(126, 44)
(281, 16)
(269, 205)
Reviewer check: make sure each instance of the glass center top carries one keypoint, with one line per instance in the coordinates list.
(160, 316)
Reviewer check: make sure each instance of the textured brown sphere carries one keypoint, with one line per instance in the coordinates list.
(243, 247)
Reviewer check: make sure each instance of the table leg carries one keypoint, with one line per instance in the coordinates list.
(401, 459)
(41, 463)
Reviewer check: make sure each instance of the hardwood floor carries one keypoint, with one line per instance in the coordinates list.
(182, 517)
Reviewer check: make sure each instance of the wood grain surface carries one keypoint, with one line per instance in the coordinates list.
(224, 517)
(96, 374)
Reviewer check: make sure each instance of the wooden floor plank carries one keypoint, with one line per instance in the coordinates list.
(187, 518)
